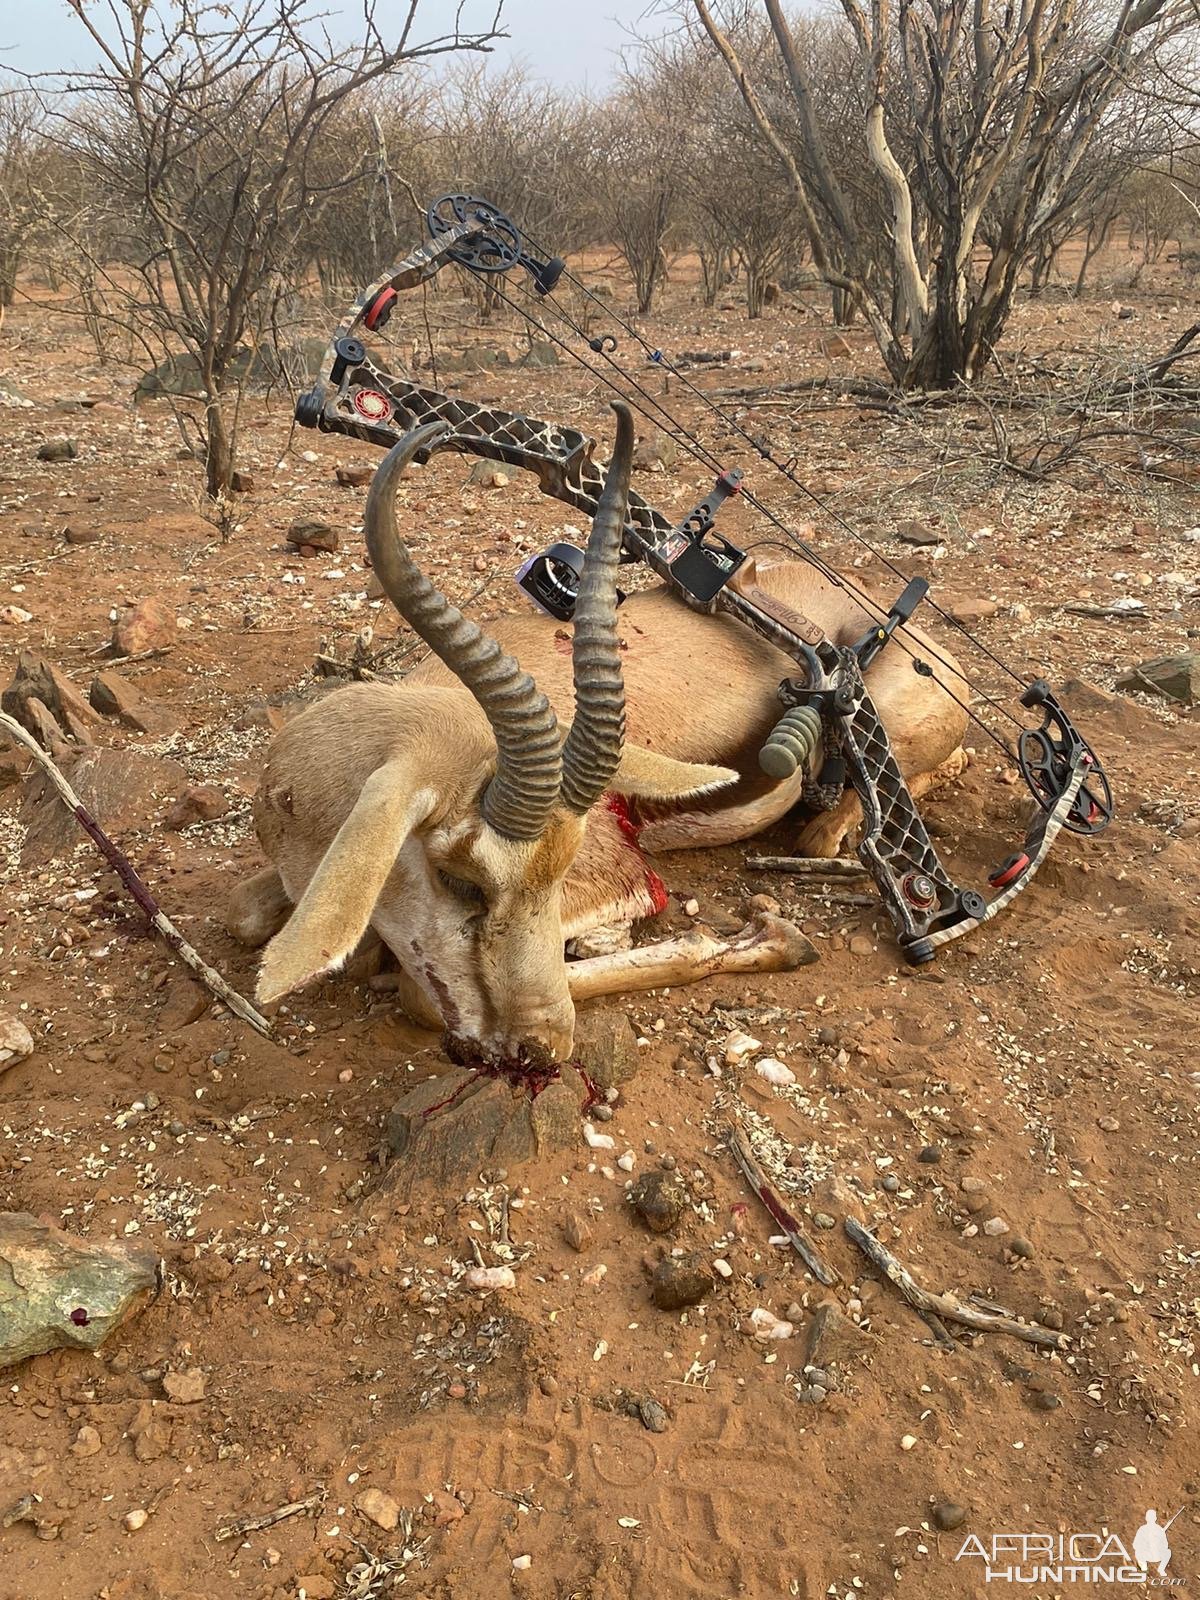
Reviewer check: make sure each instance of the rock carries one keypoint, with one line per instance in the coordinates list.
(58, 450)
(916, 533)
(445, 1510)
(261, 367)
(660, 1199)
(315, 1586)
(241, 482)
(123, 789)
(355, 476)
(654, 1417)
(680, 1281)
(185, 1388)
(490, 1278)
(776, 1072)
(948, 1515)
(890, 1183)
(135, 1519)
(577, 1232)
(1046, 1400)
(971, 1185)
(967, 612)
(766, 1325)
(833, 1340)
(16, 1041)
(491, 1124)
(835, 345)
(1174, 677)
(37, 679)
(1022, 1247)
(317, 534)
(81, 533)
(657, 453)
(823, 1220)
(929, 1155)
(488, 475)
(738, 1046)
(57, 1290)
(199, 802)
(994, 1227)
(606, 1048)
(10, 396)
(15, 616)
(87, 1443)
(380, 1508)
(114, 696)
(147, 624)
(861, 944)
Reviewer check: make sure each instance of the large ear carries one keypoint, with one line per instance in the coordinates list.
(646, 775)
(336, 908)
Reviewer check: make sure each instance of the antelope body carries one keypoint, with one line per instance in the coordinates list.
(449, 814)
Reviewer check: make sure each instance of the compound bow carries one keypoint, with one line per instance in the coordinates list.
(826, 705)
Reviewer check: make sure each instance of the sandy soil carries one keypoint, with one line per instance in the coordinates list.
(1046, 1066)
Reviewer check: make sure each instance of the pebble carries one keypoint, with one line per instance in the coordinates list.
(691, 908)
(176, 1129)
(861, 944)
(654, 1417)
(722, 1267)
(738, 1046)
(776, 1072)
(908, 1441)
(822, 1219)
(767, 1325)
(522, 1563)
(1046, 1400)
(602, 1113)
(16, 1041)
(818, 1377)
(625, 1162)
(577, 1232)
(890, 1184)
(816, 1393)
(1052, 1318)
(994, 1227)
(133, 1520)
(491, 1278)
(1020, 1246)
(87, 1442)
(659, 1198)
(1107, 1124)
(948, 1515)
(929, 1155)
(185, 1388)
(379, 1508)
(346, 1075)
(598, 1141)
(680, 1281)
(548, 1384)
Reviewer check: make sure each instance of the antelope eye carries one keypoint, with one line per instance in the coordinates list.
(462, 888)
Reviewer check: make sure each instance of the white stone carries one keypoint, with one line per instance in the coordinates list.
(738, 1046)
(598, 1141)
(491, 1278)
(16, 1041)
(767, 1325)
(776, 1072)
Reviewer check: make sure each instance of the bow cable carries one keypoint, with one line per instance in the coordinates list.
(660, 360)
(696, 448)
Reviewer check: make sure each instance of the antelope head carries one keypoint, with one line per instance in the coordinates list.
(448, 818)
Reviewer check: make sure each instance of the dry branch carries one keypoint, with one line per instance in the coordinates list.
(797, 1238)
(946, 1306)
(125, 870)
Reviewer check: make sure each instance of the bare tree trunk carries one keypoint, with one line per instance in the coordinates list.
(218, 452)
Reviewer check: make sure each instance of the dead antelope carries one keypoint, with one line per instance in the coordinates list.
(450, 813)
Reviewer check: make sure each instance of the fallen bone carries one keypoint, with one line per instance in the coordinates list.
(244, 1525)
(766, 944)
(946, 1305)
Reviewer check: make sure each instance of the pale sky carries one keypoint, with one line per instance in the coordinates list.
(573, 43)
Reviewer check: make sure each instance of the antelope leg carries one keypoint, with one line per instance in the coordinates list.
(767, 944)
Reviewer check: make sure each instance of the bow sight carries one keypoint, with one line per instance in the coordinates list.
(829, 723)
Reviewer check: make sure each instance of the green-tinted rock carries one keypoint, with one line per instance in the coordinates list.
(57, 1290)
(1174, 677)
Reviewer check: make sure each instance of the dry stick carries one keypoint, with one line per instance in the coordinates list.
(234, 1530)
(125, 871)
(797, 1238)
(945, 1305)
(807, 866)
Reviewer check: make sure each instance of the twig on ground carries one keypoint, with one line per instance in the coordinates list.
(125, 871)
(242, 1525)
(946, 1305)
(799, 1240)
(807, 866)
